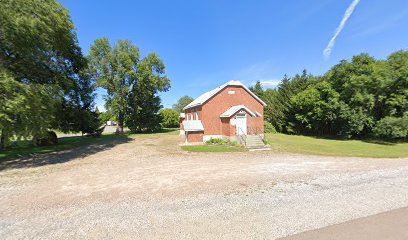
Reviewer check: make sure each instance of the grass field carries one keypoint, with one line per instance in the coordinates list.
(278, 142)
(351, 148)
(212, 148)
(164, 131)
(25, 148)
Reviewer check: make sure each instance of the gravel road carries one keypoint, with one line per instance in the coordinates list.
(147, 188)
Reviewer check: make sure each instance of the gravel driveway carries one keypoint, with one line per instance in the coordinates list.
(148, 188)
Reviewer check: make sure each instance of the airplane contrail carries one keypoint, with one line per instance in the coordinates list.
(327, 51)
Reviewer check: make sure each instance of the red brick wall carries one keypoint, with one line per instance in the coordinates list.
(194, 137)
(218, 104)
(191, 113)
(225, 128)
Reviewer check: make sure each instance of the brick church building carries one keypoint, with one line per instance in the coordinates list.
(227, 112)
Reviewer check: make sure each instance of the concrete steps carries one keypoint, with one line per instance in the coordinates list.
(254, 142)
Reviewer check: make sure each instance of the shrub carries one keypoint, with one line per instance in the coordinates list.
(97, 133)
(392, 128)
(235, 144)
(46, 139)
(217, 141)
(268, 127)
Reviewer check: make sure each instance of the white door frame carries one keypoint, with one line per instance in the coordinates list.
(241, 123)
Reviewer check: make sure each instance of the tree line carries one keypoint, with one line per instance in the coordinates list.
(47, 83)
(361, 98)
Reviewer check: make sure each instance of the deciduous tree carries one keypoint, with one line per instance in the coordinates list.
(40, 66)
(132, 83)
(114, 68)
(170, 118)
(182, 102)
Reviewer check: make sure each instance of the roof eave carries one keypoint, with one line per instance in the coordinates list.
(195, 105)
(231, 83)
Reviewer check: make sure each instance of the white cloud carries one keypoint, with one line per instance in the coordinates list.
(327, 51)
(270, 83)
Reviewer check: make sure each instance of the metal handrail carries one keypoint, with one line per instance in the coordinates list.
(242, 136)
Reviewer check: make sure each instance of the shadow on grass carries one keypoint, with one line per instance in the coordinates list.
(367, 140)
(170, 131)
(167, 130)
(67, 149)
(382, 142)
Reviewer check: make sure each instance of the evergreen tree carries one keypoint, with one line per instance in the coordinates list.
(257, 89)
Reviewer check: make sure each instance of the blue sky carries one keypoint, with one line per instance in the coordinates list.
(207, 43)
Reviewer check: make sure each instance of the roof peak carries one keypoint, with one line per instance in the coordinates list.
(204, 97)
(234, 82)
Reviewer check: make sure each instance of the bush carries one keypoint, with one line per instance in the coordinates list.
(217, 141)
(269, 128)
(392, 128)
(46, 139)
(97, 133)
(235, 144)
(170, 118)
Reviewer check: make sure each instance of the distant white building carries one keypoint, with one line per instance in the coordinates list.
(111, 123)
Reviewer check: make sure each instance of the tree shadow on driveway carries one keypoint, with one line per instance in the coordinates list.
(37, 160)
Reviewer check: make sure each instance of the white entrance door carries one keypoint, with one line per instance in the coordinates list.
(241, 124)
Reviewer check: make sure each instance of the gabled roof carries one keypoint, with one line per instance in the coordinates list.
(206, 96)
(193, 125)
(232, 110)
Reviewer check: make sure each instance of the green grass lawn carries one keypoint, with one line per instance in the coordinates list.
(352, 148)
(25, 148)
(212, 148)
(164, 131)
(278, 142)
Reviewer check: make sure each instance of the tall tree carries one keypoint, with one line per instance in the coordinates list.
(144, 102)
(182, 102)
(114, 68)
(363, 97)
(396, 103)
(39, 64)
(25, 109)
(38, 43)
(278, 110)
(316, 110)
(132, 83)
(76, 112)
(257, 89)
